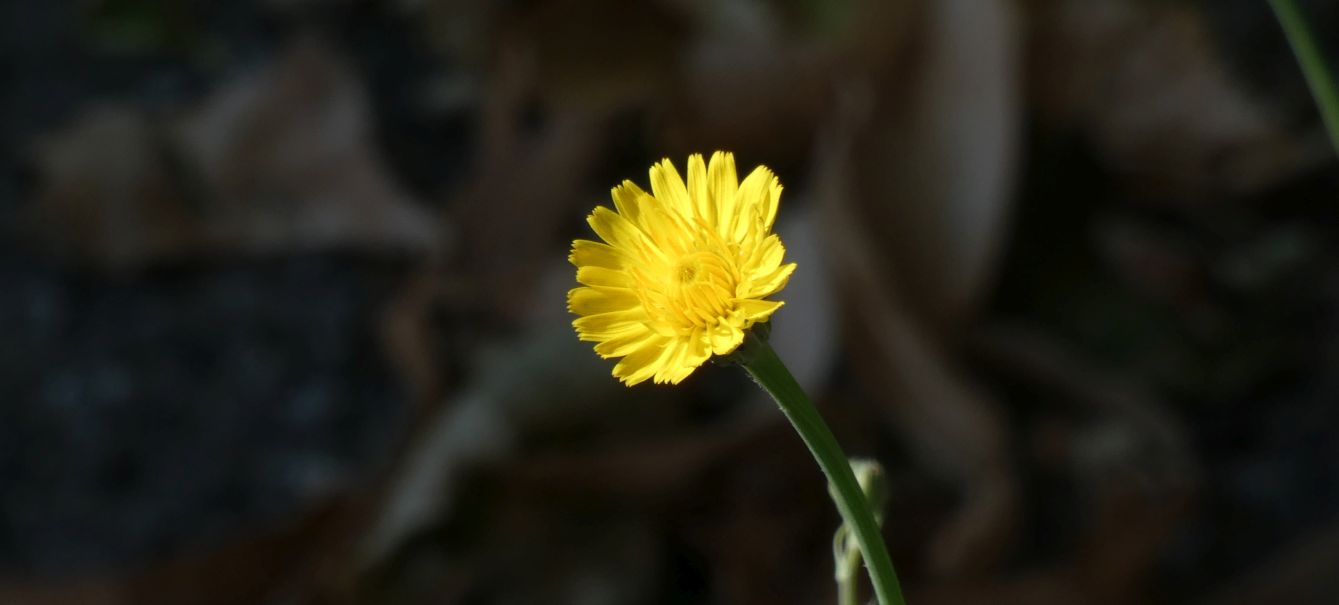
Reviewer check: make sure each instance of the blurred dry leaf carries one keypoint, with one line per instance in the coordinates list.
(1144, 80)
(1129, 456)
(748, 84)
(1051, 587)
(1155, 263)
(600, 56)
(410, 343)
(1302, 573)
(1111, 565)
(275, 162)
(510, 211)
(290, 154)
(262, 567)
(914, 197)
(758, 77)
(763, 523)
(481, 422)
(109, 196)
(957, 430)
(933, 155)
(463, 30)
(607, 556)
(648, 471)
(807, 334)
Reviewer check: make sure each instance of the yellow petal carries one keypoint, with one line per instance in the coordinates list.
(593, 300)
(757, 310)
(667, 230)
(769, 284)
(722, 186)
(699, 351)
(588, 253)
(606, 324)
(750, 203)
(673, 361)
(663, 328)
(591, 275)
(724, 339)
(617, 230)
(693, 354)
(669, 189)
(703, 206)
(643, 363)
(773, 201)
(765, 257)
(624, 342)
(629, 199)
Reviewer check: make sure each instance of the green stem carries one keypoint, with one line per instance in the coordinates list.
(771, 374)
(847, 592)
(1309, 55)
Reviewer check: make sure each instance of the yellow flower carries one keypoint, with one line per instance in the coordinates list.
(685, 270)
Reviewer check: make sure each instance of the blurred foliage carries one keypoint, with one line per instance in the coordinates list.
(284, 301)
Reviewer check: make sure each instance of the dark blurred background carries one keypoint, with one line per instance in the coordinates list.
(282, 301)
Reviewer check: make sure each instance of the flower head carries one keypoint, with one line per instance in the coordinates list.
(684, 271)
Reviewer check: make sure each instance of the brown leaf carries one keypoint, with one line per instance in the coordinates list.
(1301, 573)
(278, 161)
(290, 158)
(1128, 455)
(956, 429)
(933, 151)
(281, 561)
(110, 196)
(1144, 80)
(758, 79)
(510, 213)
(914, 200)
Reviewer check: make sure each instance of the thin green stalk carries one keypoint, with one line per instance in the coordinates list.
(848, 592)
(1311, 59)
(771, 374)
(846, 557)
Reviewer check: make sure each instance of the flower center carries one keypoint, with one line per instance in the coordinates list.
(688, 272)
(696, 293)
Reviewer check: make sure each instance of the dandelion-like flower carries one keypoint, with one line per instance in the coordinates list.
(685, 270)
